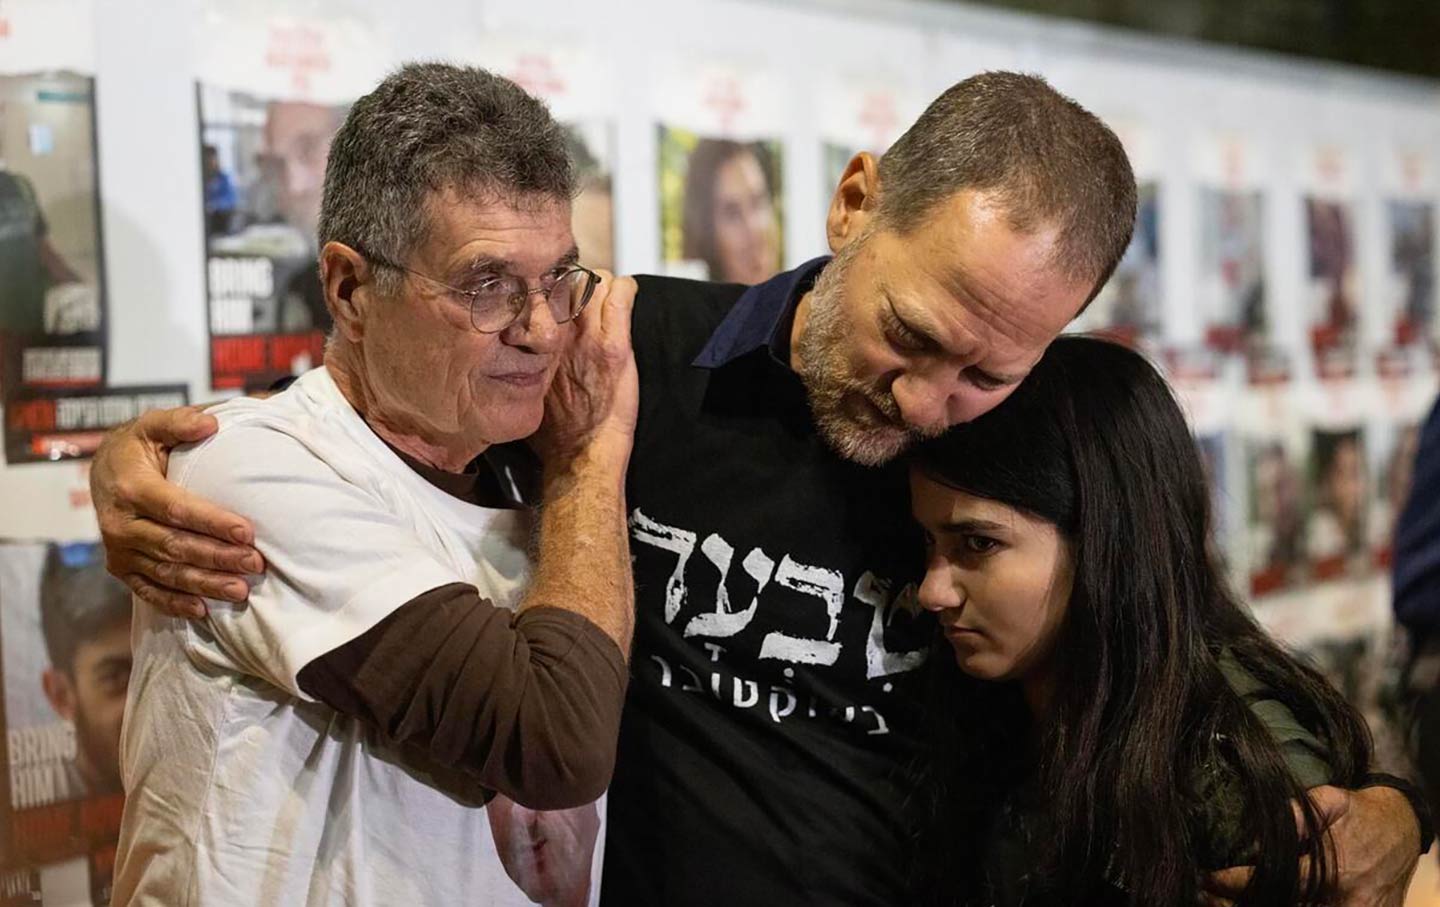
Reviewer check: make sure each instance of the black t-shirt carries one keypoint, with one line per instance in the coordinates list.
(773, 705)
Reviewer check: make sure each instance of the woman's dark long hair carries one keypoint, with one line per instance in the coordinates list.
(1095, 443)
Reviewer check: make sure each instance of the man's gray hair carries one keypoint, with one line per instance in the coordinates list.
(426, 128)
(1051, 161)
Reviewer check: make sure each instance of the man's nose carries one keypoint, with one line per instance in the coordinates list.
(535, 329)
(924, 401)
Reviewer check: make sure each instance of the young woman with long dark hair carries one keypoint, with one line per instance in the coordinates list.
(1129, 726)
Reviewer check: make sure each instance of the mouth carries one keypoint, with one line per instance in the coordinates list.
(957, 632)
(872, 416)
(527, 379)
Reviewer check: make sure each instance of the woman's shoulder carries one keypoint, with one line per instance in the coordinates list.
(1219, 825)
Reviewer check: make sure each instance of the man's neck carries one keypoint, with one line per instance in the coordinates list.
(451, 454)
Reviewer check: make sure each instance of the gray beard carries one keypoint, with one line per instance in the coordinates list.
(828, 383)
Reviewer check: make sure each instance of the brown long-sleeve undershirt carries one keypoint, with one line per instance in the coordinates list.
(526, 704)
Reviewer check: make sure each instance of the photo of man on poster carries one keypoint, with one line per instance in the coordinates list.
(85, 617)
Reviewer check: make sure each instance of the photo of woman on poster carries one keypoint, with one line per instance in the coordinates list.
(1339, 500)
(725, 215)
(1276, 518)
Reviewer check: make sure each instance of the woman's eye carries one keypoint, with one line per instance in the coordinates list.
(980, 544)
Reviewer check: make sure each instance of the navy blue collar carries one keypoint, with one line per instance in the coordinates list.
(762, 318)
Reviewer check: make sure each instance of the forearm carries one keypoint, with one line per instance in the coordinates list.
(582, 561)
(527, 705)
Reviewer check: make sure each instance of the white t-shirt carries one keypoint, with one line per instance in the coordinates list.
(243, 790)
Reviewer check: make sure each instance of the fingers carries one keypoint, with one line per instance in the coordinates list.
(1329, 803)
(164, 543)
(188, 582)
(172, 427)
(619, 306)
(155, 498)
(166, 601)
(1225, 885)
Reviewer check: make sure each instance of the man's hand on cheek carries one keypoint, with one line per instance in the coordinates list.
(593, 399)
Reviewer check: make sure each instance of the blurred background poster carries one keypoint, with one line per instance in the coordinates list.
(577, 82)
(1232, 294)
(52, 300)
(65, 667)
(272, 90)
(721, 200)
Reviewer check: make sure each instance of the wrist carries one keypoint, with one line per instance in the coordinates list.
(598, 466)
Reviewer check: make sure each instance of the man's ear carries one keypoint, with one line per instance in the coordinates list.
(854, 201)
(348, 279)
(60, 691)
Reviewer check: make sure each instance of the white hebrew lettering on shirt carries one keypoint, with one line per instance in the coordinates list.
(880, 661)
(722, 621)
(671, 538)
(826, 585)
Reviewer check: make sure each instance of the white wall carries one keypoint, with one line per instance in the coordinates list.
(147, 58)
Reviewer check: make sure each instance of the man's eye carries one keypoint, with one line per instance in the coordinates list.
(985, 382)
(902, 337)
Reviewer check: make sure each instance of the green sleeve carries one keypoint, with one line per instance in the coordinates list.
(1220, 830)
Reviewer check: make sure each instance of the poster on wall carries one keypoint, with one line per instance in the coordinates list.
(271, 93)
(1275, 450)
(1231, 292)
(1128, 308)
(44, 426)
(721, 204)
(1332, 275)
(1403, 394)
(65, 666)
(577, 83)
(52, 294)
(1208, 399)
(1409, 186)
(1338, 480)
(860, 114)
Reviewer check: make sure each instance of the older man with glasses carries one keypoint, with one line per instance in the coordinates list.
(401, 658)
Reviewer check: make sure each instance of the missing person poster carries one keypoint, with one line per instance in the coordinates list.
(52, 311)
(721, 200)
(1128, 307)
(861, 113)
(1231, 292)
(1275, 451)
(1408, 182)
(577, 83)
(65, 425)
(65, 667)
(1332, 274)
(272, 91)
(1338, 540)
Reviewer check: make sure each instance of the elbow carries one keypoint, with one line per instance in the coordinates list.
(564, 781)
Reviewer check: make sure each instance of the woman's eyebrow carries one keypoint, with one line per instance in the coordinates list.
(961, 526)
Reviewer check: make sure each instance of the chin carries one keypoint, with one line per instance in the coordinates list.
(518, 426)
(983, 665)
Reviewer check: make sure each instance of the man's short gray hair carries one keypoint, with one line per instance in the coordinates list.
(426, 128)
(1051, 161)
